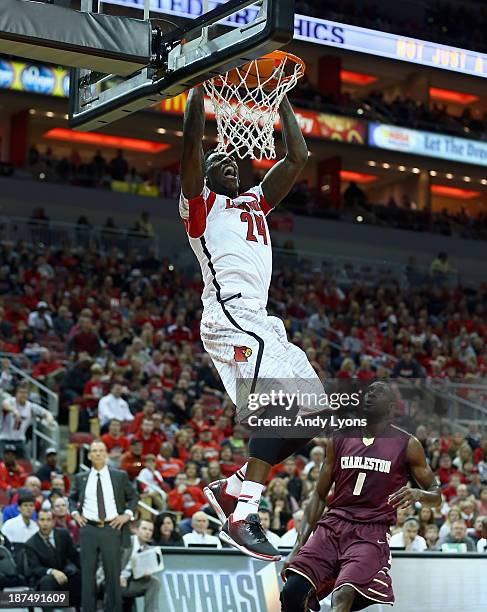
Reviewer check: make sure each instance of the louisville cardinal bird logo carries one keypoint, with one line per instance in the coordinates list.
(242, 353)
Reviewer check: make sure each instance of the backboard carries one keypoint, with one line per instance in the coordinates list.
(182, 56)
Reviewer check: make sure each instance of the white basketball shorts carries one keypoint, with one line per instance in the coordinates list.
(247, 344)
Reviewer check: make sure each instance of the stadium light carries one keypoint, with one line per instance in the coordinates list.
(449, 95)
(454, 192)
(357, 78)
(357, 177)
(106, 140)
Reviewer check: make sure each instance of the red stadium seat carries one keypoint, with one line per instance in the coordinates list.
(80, 438)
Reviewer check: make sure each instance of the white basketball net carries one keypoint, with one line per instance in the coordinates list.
(245, 116)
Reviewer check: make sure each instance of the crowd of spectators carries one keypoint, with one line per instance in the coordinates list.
(96, 171)
(302, 200)
(403, 214)
(118, 335)
(400, 110)
(462, 25)
(125, 348)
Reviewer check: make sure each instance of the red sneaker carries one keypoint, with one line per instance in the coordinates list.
(221, 502)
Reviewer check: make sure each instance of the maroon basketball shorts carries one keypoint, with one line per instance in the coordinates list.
(342, 552)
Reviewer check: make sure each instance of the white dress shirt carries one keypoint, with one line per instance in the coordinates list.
(288, 540)
(201, 538)
(17, 531)
(136, 548)
(111, 407)
(90, 505)
(417, 545)
(482, 545)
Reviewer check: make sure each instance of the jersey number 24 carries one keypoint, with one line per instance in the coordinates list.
(248, 218)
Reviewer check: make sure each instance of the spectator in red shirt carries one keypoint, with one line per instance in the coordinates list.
(168, 465)
(94, 389)
(63, 519)
(178, 332)
(150, 441)
(211, 449)
(182, 442)
(47, 370)
(227, 464)
(146, 413)
(480, 453)
(450, 491)
(12, 475)
(158, 428)
(131, 461)
(222, 429)
(85, 339)
(445, 469)
(115, 441)
(365, 371)
(198, 421)
(184, 498)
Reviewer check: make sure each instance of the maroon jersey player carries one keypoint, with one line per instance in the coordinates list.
(348, 554)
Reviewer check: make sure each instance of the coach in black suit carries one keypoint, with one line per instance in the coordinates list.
(102, 502)
(53, 560)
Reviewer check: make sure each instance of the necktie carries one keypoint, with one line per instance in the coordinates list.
(100, 500)
(51, 546)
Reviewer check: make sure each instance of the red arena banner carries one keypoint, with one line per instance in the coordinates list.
(312, 123)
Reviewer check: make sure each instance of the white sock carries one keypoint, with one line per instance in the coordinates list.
(248, 500)
(234, 483)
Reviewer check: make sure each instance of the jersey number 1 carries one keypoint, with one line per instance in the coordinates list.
(359, 483)
(246, 217)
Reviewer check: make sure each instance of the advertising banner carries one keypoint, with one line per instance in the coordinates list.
(34, 78)
(312, 123)
(344, 36)
(431, 144)
(228, 582)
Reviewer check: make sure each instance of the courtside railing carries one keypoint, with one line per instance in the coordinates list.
(58, 234)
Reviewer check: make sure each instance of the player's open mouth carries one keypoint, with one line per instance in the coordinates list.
(230, 172)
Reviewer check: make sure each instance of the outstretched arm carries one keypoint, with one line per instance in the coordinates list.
(192, 178)
(429, 494)
(314, 510)
(282, 176)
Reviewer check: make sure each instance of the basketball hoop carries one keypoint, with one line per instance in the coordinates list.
(246, 101)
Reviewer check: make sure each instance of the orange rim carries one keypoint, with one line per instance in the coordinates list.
(278, 56)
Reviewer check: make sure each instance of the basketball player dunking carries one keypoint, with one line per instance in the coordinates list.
(348, 553)
(228, 232)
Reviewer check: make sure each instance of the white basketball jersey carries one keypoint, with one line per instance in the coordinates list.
(231, 240)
